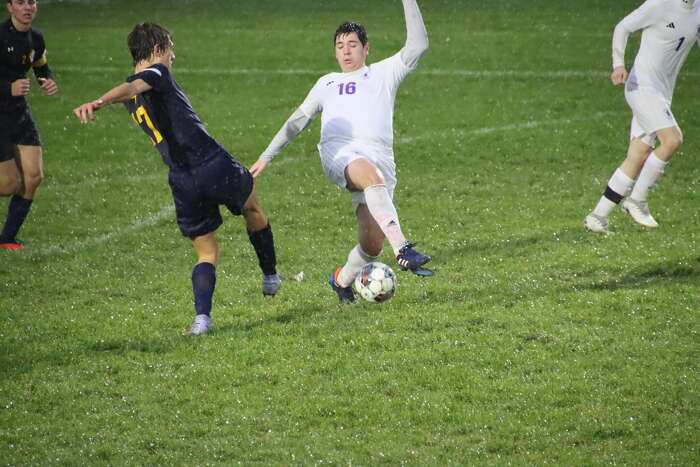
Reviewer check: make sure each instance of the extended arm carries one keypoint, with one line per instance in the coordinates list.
(121, 93)
(294, 125)
(416, 35)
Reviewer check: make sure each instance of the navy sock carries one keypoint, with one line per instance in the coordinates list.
(203, 282)
(264, 246)
(16, 214)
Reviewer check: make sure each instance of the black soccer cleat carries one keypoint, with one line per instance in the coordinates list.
(345, 294)
(410, 259)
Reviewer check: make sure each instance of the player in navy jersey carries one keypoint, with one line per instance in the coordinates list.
(21, 160)
(202, 174)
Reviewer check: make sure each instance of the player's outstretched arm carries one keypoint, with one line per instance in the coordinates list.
(297, 123)
(121, 93)
(416, 34)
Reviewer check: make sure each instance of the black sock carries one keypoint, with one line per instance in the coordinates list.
(16, 214)
(203, 282)
(264, 246)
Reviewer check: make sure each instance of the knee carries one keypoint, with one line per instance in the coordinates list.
(674, 143)
(32, 180)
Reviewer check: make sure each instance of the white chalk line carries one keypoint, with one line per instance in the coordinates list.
(513, 127)
(137, 225)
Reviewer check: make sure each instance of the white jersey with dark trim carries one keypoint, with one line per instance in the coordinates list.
(669, 32)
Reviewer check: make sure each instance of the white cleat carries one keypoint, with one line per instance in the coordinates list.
(639, 212)
(596, 223)
(201, 325)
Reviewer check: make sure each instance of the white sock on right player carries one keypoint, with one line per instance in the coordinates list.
(618, 187)
(653, 170)
(356, 259)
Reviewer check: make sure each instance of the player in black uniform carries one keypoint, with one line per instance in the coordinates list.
(202, 174)
(21, 161)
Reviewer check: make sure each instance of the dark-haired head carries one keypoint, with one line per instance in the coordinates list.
(349, 27)
(144, 38)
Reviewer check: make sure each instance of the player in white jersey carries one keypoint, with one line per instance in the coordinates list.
(356, 146)
(670, 28)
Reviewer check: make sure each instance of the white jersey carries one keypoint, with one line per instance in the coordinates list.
(669, 32)
(357, 107)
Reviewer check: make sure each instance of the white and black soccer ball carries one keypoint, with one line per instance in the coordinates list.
(376, 282)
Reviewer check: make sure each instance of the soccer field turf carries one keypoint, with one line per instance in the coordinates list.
(536, 343)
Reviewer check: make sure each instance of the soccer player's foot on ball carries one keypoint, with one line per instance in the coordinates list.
(201, 325)
(345, 294)
(639, 212)
(271, 284)
(408, 258)
(596, 223)
(13, 244)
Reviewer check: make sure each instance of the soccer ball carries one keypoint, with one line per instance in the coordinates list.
(375, 282)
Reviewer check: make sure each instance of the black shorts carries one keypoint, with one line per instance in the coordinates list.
(198, 192)
(16, 127)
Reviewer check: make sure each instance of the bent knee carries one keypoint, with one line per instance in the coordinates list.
(33, 180)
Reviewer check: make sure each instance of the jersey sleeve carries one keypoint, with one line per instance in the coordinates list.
(157, 76)
(40, 65)
(313, 103)
(647, 14)
(393, 69)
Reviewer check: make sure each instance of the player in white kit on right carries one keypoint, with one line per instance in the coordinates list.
(670, 28)
(356, 146)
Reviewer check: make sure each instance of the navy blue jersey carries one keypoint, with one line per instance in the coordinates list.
(19, 51)
(166, 115)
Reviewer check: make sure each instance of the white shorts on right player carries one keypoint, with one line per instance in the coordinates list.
(650, 113)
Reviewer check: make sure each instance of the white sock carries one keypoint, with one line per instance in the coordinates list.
(382, 209)
(652, 171)
(356, 259)
(618, 187)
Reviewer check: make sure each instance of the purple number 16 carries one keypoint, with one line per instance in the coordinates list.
(347, 88)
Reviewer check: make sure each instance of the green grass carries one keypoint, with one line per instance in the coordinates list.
(536, 343)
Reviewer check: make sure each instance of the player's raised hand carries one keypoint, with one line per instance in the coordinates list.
(20, 87)
(49, 86)
(86, 112)
(618, 76)
(257, 168)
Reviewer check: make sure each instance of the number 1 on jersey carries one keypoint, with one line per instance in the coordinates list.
(680, 43)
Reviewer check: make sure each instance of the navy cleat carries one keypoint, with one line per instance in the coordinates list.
(410, 259)
(271, 284)
(345, 294)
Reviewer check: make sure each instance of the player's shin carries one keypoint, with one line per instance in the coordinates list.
(16, 214)
(651, 172)
(617, 188)
(264, 245)
(356, 259)
(203, 283)
(384, 213)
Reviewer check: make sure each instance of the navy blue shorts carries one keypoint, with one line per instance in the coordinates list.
(16, 127)
(198, 192)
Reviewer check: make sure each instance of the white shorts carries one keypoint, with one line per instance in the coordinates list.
(650, 113)
(336, 158)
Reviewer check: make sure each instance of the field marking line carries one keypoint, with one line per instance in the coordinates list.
(513, 127)
(561, 74)
(137, 225)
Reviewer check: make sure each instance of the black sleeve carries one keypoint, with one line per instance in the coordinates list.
(5, 88)
(157, 76)
(40, 65)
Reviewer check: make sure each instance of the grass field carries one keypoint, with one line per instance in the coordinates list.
(537, 342)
